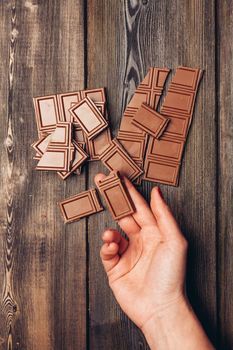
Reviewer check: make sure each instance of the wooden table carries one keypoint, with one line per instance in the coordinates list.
(54, 292)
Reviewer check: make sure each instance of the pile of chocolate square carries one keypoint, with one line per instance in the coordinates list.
(73, 128)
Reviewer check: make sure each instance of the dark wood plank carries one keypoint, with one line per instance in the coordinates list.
(225, 172)
(45, 262)
(124, 39)
(109, 327)
(6, 309)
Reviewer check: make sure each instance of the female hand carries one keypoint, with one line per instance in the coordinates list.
(146, 273)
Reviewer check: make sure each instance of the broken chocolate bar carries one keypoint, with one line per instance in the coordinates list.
(163, 156)
(148, 92)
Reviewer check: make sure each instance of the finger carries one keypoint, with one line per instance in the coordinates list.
(111, 235)
(127, 224)
(143, 215)
(164, 217)
(109, 255)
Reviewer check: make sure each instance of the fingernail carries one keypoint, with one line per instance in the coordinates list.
(160, 192)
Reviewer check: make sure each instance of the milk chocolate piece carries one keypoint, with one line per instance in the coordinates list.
(96, 146)
(158, 171)
(127, 128)
(116, 196)
(166, 149)
(79, 158)
(80, 206)
(96, 95)
(138, 180)
(41, 145)
(46, 112)
(135, 146)
(89, 117)
(65, 101)
(150, 121)
(54, 159)
(99, 144)
(60, 151)
(116, 158)
(163, 160)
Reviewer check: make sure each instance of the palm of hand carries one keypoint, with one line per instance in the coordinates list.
(147, 274)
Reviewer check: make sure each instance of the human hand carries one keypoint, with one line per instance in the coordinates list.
(146, 273)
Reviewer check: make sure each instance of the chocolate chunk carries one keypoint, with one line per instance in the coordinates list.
(89, 117)
(116, 196)
(150, 121)
(46, 113)
(41, 145)
(158, 171)
(79, 158)
(80, 205)
(116, 158)
(60, 151)
(135, 146)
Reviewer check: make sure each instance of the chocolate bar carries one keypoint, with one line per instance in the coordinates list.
(116, 158)
(178, 105)
(79, 158)
(80, 206)
(116, 196)
(150, 121)
(163, 156)
(46, 113)
(89, 117)
(60, 151)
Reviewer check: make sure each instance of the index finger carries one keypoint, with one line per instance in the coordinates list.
(143, 215)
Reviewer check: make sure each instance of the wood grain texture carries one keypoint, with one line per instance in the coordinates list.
(161, 34)
(44, 290)
(54, 291)
(225, 174)
(109, 328)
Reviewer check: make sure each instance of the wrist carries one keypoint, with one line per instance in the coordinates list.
(175, 327)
